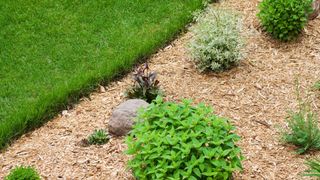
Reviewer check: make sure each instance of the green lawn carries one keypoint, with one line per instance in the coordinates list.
(52, 51)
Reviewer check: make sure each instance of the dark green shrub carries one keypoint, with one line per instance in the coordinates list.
(180, 141)
(23, 173)
(216, 43)
(146, 85)
(314, 168)
(98, 137)
(284, 19)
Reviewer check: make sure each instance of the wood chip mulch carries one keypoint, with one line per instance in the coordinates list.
(255, 95)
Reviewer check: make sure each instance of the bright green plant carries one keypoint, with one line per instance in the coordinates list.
(216, 43)
(284, 19)
(181, 141)
(314, 168)
(303, 129)
(98, 137)
(23, 173)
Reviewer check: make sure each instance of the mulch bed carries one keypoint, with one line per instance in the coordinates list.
(255, 95)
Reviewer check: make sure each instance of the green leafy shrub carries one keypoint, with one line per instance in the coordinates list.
(146, 86)
(23, 173)
(303, 129)
(216, 43)
(180, 141)
(314, 168)
(98, 137)
(284, 19)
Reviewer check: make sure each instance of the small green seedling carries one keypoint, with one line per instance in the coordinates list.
(23, 173)
(98, 137)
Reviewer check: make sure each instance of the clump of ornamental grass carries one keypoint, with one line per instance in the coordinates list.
(216, 44)
(303, 129)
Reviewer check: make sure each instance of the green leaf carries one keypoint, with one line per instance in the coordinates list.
(192, 178)
(197, 172)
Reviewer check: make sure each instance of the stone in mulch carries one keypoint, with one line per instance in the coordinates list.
(316, 9)
(122, 118)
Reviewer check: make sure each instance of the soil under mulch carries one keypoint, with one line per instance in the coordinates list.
(255, 96)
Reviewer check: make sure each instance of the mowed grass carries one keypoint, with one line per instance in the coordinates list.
(54, 51)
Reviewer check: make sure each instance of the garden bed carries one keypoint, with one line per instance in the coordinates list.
(255, 96)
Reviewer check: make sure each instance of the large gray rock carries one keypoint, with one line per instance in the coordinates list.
(122, 117)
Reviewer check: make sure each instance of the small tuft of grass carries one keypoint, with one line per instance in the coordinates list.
(23, 173)
(303, 130)
(314, 168)
(98, 137)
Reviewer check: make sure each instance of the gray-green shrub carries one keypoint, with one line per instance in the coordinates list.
(216, 43)
(181, 141)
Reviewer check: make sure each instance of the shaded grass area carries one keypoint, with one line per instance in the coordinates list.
(54, 51)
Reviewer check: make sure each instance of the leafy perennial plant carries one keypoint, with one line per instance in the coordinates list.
(284, 19)
(181, 141)
(146, 85)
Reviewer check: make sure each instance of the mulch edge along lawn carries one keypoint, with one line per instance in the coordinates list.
(26, 117)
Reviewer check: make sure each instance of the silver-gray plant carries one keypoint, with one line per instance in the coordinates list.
(216, 43)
